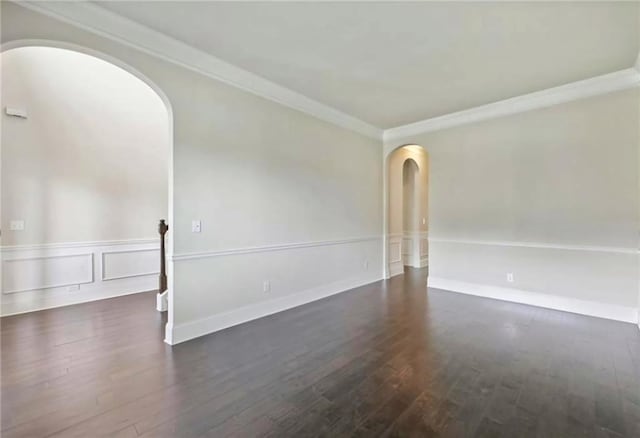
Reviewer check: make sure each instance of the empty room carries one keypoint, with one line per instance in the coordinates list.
(319, 219)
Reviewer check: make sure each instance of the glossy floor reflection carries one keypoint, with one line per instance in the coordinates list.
(386, 359)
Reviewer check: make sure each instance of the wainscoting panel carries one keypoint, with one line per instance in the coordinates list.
(593, 280)
(32, 273)
(36, 277)
(221, 288)
(407, 245)
(130, 263)
(415, 247)
(395, 256)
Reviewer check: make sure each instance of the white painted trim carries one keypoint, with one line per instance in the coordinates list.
(414, 233)
(542, 245)
(268, 248)
(103, 275)
(193, 329)
(565, 304)
(396, 268)
(607, 83)
(68, 245)
(94, 286)
(162, 301)
(88, 280)
(100, 21)
(394, 256)
(6, 307)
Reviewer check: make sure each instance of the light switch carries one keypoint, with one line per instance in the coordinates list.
(16, 225)
(196, 226)
(16, 112)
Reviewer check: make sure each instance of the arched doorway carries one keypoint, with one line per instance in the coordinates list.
(407, 204)
(86, 174)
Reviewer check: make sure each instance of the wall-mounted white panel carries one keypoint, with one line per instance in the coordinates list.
(407, 246)
(424, 247)
(25, 274)
(297, 274)
(130, 263)
(395, 249)
(396, 264)
(97, 270)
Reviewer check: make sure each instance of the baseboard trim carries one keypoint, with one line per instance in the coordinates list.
(80, 300)
(396, 268)
(178, 333)
(75, 272)
(565, 304)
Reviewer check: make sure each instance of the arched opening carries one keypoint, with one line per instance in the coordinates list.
(410, 212)
(86, 175)
(407, 209)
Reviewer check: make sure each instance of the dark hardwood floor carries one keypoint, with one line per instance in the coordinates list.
(387, 359)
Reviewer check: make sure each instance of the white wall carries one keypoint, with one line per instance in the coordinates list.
(282, 196)
(410, 196)
(90, 161)
(550, 195)
(86, 172)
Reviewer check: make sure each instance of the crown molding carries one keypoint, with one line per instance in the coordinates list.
(607, 83)
(100, 21)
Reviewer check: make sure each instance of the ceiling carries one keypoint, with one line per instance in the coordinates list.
(395, 63)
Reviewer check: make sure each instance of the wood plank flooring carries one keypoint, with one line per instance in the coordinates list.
(387, 359)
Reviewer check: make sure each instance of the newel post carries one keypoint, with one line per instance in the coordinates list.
(162, 229)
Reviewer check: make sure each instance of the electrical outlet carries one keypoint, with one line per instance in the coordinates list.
(510, 277)
(266, 286)
(196, 226)
(16, 225)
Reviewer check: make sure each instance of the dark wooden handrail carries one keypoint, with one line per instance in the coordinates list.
(162, 229)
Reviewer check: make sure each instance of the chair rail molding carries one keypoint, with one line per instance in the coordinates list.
(267, 248)
(540, 245)
(42, 276)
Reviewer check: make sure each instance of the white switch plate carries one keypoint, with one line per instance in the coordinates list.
(16, 225)
(196, 226)
(510, 277)
(16, 112)
(266, 286)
